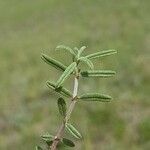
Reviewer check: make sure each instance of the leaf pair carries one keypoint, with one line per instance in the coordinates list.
(49, 140)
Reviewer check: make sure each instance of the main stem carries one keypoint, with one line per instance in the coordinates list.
(61, 130)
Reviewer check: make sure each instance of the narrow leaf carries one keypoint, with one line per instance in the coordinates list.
(73, 131)
(87, 61)
(98, 73)
(56, 64)
(95, 97)
(68, 142)
(66, 48)
(61, 90)
(66, 74)
(62, 106)
(101, 54)
(47, 137)
(76, 50)
(38, 148)
(81, 50)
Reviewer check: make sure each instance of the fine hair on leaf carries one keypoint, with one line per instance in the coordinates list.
(62, 106)
(87, 61)
(101, 54)
(61, 90)
(98, 73)
(68, 142)
(73, 131)
(66, 74)
(54, 63)
(66, 48)
(95, 97)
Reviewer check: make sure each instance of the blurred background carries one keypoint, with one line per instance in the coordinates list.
(28, 108)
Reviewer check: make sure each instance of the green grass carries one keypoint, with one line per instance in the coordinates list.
(27, 109)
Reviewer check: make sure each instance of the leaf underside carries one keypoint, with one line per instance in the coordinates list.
(62, 106)
(61, 90)
(98, 73)
(95, 97)
(66, 48)
(73, 131)
(101, 54)
(54, 63)
(68, 142)
(66, 74)
(87, 61)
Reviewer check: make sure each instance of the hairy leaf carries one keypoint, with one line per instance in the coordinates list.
(73, 131)
(87, 61)
(95, 97)
(68, 142)
(62, 106)
(101, 54)
(38, 148)
(81, 50)
(47, 137)
(76, 50)
(56, 64)
(66, 48)
(66, 74)
(98, 73)
(61, 90)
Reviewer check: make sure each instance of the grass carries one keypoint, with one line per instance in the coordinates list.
(29, 28)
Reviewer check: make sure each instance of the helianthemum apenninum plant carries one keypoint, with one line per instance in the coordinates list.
(54, 142)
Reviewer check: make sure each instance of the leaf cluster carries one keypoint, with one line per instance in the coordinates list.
(74, 70)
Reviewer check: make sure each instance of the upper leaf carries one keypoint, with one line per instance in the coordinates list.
(73, 131)
(95, 97)
(66, 48)
(61, 90)
(80, 51)
(87, 61)
(62, 106)
(58, 65)
(101, 54)
(68, 142)
(66, 74)
(97, 73)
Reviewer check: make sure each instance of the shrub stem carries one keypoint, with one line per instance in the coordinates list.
(61, 130)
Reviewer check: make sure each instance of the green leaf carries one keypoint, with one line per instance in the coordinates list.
(81, 50)
(101, 54)
(73, 131)
(62, 106)
(76, 50)
(66, 48)
(54, 63)
(47, 137)
(87, 61)
(68, 142)
(61, 90)
(38, 148)
(95, 97)
(97, 73)
(66, 74)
